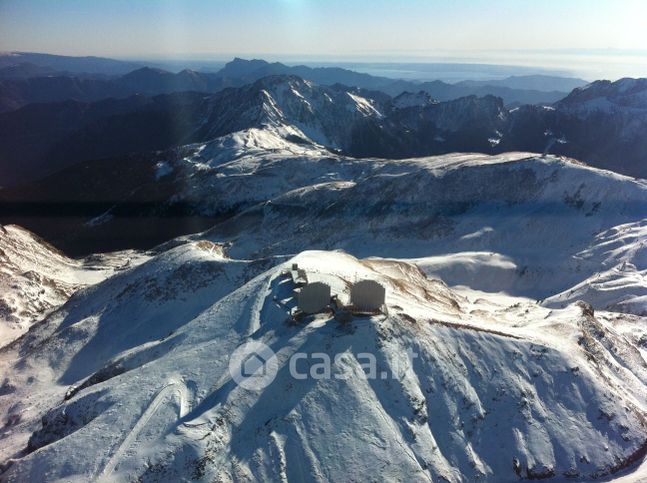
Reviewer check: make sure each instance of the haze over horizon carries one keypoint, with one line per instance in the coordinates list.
(603, 42)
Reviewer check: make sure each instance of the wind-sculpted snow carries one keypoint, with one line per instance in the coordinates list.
(131, 381)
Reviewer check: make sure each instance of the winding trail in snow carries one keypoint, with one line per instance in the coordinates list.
(174, 387)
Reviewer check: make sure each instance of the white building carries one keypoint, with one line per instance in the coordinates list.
(313, 297)
(367, 296)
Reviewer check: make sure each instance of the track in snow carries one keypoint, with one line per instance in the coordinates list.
(176, 387)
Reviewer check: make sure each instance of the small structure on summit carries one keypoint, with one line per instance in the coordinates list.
(367, 296)
(313, 297)
(299, 277)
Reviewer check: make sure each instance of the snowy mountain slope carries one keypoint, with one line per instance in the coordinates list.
(625, 94)
(324, 114)
(602, 125)
(515, 222)
(133, 309)
(35, 278)
(489, 263)
(486, 397)
(620, 283)
(524, 222)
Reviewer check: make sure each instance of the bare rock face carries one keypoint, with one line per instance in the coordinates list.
(587, 308)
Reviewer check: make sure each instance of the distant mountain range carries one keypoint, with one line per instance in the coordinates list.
(88, 65)
(602, 124)
(539, 82)
(110, 160)
(92, 155)
(23, 83)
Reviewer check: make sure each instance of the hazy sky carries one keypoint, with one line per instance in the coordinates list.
(307, 28)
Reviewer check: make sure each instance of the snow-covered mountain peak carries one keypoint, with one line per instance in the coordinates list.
(254, 145)
(509, 336)
(291, 93)
(491, 270)
(411, 99)
(483, 394)
(605, 95)
(364, 106)
(324, 114)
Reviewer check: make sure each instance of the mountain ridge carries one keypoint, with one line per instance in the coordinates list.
(490, 266)
(16, 92)
(187, 418)
(584, 129)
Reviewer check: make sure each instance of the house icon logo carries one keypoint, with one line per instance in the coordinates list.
(253, 365)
